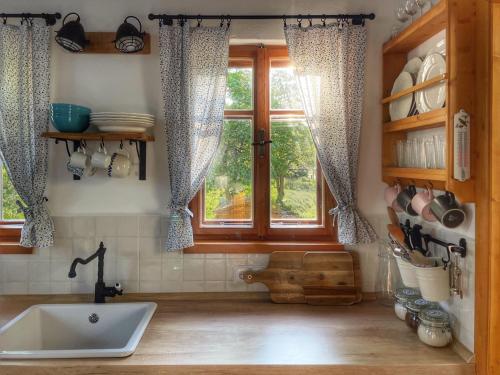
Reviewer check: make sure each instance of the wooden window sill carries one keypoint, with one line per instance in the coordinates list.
(208, 246)
(10, 235)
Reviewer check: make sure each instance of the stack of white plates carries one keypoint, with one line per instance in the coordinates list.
(122, 122)
(433, 97)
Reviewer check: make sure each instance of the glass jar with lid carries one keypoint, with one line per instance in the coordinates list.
(413, 308)
(402, 296)
(434, 329)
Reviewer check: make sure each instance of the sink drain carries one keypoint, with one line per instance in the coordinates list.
(93, 318)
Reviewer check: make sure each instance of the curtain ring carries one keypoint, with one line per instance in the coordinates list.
(323, 20)
(221, 21)
(199, 21)
(310, 21)
(228, 18)
(284, 21)
(5, 20)
(299, 21)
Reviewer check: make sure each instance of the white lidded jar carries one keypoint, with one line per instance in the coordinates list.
(434, 329)
(402, 296)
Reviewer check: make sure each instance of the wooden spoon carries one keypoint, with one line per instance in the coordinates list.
(393, 216)
(417, 258)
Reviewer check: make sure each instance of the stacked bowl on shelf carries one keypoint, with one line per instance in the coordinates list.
(122, 122)
(69, 118)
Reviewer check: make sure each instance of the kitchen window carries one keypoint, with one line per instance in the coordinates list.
(11, 219)
(265, 189)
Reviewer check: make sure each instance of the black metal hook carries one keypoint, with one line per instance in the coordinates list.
(199, 19)
(5, 20)
(121, 144)
(310, 21)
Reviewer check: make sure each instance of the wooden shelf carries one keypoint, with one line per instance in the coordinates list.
(416, 173)
(428, 120)
(431, 82)
(419, 31)
(97, 136)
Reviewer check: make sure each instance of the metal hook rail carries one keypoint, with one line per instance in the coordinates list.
(50, 18)
(356, 19)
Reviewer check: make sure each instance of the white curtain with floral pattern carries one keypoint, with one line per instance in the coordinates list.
(193, 63)
(24, 115)
(330, 68)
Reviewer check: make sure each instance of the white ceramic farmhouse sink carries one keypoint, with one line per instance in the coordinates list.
(76, 330)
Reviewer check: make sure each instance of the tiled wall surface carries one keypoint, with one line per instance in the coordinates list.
(136, 258)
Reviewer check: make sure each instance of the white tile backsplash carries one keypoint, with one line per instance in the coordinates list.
(136, 258)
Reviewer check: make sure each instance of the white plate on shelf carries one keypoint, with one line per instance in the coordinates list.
(143, 118)
(440, 48)
(433, 97)
(413, 66)
(401, 107)
(121, 129)
(122, 114)
(123, 123)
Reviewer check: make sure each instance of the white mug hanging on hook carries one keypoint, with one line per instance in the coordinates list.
(101, 158)
(120, 164)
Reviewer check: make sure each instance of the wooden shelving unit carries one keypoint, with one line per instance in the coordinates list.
(140, 140)
(457, 18)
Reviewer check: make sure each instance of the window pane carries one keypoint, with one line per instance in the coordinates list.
(228, 187)
(284, 89)
(294, 187)
(239, 88)
(10, 210)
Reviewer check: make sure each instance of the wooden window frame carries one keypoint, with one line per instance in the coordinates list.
(262, 237)
(10, 236)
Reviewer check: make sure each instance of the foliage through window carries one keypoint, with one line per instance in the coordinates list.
(8, 205)
(258, 191)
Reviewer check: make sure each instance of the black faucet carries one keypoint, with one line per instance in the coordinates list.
(101, 290)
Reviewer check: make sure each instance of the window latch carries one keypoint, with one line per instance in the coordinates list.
(261, 142)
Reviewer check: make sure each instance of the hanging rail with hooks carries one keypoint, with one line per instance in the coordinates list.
(356, 19)
(50, 18)
(140, 140)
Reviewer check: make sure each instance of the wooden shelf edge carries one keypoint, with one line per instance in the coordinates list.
(208, 246)
(426, 120)
(97, 136)
(416, 173)
(421, 86)
(423, 28)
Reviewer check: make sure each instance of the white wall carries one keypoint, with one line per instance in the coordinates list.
(132, 83)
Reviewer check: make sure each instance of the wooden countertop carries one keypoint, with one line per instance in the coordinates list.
(236, 333)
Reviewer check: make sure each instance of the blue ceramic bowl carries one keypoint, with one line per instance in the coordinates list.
(70, 123)
(62, 108)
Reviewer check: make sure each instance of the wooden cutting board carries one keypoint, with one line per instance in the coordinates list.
(316, 278)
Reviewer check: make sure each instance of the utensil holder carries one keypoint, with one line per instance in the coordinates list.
(434, 282)
(408, 274)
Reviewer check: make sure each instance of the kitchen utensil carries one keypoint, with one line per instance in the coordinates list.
(393, 216)
(421, 204)
(400, 108)
(407, 271)
(101, 158)
(316, 278)
(120, 165)
(404, 199)
(433, 97)
(416, 258)
(447, 210)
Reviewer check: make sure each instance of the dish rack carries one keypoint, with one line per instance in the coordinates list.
(139, 139)
(459, 79)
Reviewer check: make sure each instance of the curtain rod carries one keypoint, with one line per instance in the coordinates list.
(357, 19)
(50, 18)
